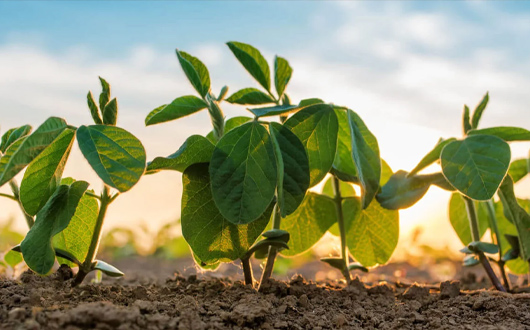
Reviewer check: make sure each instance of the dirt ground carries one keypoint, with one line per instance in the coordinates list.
(206, 302)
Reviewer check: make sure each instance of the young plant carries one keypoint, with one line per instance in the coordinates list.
(69, 217)
(477, 167)
(246, 170)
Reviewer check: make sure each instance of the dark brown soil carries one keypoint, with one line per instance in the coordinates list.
(35, 302)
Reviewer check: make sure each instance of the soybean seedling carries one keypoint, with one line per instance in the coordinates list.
(477, 168)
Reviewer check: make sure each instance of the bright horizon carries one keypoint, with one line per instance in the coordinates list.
(406, 68)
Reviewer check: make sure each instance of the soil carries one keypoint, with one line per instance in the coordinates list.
(205, 302)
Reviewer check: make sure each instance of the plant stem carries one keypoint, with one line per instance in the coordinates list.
(216, 116)
(475, 235)
(495, 229)
(16, 196)
(247, 271)
(87, 265)
(340, 220)
(271, 257)
(9, 196)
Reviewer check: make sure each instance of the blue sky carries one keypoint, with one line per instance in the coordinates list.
(406, 67)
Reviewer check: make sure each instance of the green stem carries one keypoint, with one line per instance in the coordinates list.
(9, 196)
(247, 271)
(273, 252)
(495, 229)
(216, 116)
(340, 220)
(30, 221)
(88, 264)
(475, 234)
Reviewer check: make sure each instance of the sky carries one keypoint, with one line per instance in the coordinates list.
(407, 68)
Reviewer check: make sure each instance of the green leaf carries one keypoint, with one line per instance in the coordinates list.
(471, 260)
(21, 153)
(250, 96)
(357, 266)
(107, 269)
(230, 124)
(274, 111)
(196, 72)
(44, 173)
(54, 217)
(116, 155)
(484, 247)
(371, 234)
(244, 173)
(309, 223)
(477, 114)
(110, 113)
(180, 107)
(196, 149)
(12, 135)
(365, 152)
(104, 97)
(211, 236)
(460, 221)
(75, 239)
(94, 110)
(282, 74)
(346, 189)
(222, 93)
(476, 165)
(308, 102)
(317, 127)
(253, 62)
(403, 191)
(516, 215)
(335, 262)
(466, 121)
(13, 258)
(507, 133)
(432, 156)
(212, 266)
(293, 168)
(343, 161)
(518, 169)
(386, 172)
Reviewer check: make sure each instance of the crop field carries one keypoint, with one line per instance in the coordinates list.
(262, 192)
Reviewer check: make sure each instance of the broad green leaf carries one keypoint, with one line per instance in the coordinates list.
(309, 223)
(371, 234)
(365, 153)
(54, 217)
(282, 75)
(180, 107)
(250, 96)
(466, 120)
(479, 110)
(343, 161)
(308, 102)
(211, 267)
(274, 111)
(317, 127)
(460, 221)
(196, 72)
(20, 154)
(476, 165)
(243, 173)
(335, 262)
(196, 149)
(110, 113)
(44, 173)
(94, 110)
(253, 62)
(230, 124)
(517, 266)
(386, 172)
(432, 156)
(484, 247)
(518, 169)
(116, 155)
(12, 135)
(211, 236)
(516, 215)
(107, 269)
(13, 258)
(76, 238)
(507, 133)
(104, 97)
(403, 191)
(346, 189)
(294, 167)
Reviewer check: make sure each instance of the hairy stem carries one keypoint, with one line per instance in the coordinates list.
(216, 116)
(475, 234)
(273, 252)
(247, 271)
(87, 265)
(340, 220)
(495, 229)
